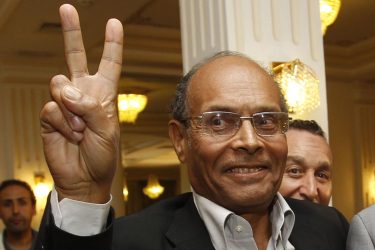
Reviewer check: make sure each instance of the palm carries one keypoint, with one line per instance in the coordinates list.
(83, 155)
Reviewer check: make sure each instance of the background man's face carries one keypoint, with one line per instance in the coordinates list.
(308, 169)
(244, 172)
(16, 208)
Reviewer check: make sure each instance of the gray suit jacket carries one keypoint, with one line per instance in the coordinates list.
(362, 230)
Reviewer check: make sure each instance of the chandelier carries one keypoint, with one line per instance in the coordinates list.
(299, 85)
(328, 12)
(129, 106)
(153, 189)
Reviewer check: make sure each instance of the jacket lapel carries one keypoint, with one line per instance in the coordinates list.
(304, 235)
(187, 231)
(307, 233)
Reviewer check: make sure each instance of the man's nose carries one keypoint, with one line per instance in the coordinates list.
(246, 138)
(309, 189)
(15, 208)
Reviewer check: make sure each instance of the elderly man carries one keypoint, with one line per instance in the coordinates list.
(308, 168)
(228, 128)
(17, 208)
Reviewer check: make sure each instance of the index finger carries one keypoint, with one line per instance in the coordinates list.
(74, 50)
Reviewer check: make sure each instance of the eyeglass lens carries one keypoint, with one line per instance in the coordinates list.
(228, 123)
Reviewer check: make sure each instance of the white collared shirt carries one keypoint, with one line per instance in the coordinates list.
(230, 231)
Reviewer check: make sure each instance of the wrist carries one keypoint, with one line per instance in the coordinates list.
(98, 195)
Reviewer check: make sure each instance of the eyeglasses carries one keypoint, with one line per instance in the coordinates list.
(226, 124)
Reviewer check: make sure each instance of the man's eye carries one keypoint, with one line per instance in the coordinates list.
(6, 204)
(294, 172)
(217, 123)
(22, 202)
(323, 175)
(266, 122)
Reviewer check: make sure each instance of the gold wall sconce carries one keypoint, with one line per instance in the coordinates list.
(299, 85)
(41, 189)
(125, 191)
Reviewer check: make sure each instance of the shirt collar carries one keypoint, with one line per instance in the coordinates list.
(282, 219)
(214, 217)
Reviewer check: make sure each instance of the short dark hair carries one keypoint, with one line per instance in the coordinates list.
(178, 105)
(307, 125)
(15, 182)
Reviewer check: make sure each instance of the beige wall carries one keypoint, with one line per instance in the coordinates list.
(349, 138)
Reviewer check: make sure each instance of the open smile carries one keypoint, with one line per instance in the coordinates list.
(246, 170)
(247, 173)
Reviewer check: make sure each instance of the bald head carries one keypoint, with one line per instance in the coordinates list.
(178, 106)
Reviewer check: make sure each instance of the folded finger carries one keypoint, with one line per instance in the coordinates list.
(54, 124)
(57, 84)
(91, 111)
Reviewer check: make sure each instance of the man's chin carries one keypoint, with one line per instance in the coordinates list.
(17, 229)
(249, 202)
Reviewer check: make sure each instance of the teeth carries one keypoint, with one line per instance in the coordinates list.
(244, 170)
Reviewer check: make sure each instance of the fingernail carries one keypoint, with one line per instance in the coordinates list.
(72, 93)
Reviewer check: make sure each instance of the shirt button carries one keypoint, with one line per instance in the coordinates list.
(238, 229)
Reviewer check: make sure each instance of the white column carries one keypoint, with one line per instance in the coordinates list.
(266, 30)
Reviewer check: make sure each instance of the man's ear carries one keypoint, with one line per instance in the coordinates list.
(177, 134)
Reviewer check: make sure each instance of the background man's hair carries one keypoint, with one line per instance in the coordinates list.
(307, 125)
(15, 182)
(179, 106)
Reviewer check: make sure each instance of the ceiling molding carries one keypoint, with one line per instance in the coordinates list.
(136, 30)
(7, 8)
(356, 62)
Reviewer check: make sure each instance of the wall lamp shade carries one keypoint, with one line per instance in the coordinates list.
(153, 189)
(329, 10)
(129, 106)
(125, 192)
(41, 189)
(299, 85)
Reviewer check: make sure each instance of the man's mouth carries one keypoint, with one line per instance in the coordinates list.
(16, 221)
(245, 170)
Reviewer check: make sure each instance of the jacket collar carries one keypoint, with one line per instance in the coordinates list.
(187, 230)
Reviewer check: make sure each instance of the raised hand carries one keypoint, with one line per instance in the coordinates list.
(80, 129)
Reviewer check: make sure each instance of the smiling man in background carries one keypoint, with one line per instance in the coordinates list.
(308, 171)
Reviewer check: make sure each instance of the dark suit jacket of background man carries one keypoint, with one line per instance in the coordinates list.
(175, 224)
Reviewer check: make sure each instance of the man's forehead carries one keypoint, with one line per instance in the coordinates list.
(232, 72)
(295, 136)
(14, 191)
(306, 144)
(14, 198)
(224, 66)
